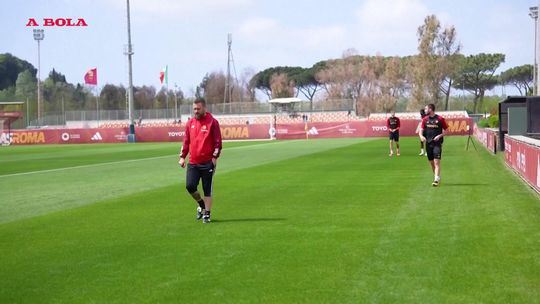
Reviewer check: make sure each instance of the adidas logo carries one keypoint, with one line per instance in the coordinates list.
(313, 131)
(97, 136)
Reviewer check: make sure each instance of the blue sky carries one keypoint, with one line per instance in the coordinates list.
(190, 36)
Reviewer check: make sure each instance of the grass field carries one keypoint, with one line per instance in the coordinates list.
(321, 221)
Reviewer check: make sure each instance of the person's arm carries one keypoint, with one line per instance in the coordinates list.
(216, 135)
(444, 127)
(398, 124)
(438, 137)
(421, 131)
(185, 147)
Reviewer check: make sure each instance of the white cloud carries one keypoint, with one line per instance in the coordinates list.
(255, 27)
(273, 42)
(389, 26)
(267, 32)
(179, 8)
(320, 36)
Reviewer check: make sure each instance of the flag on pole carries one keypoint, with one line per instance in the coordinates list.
(163, 75)
(91, 77)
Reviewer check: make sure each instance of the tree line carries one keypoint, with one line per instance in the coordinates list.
(377, 83)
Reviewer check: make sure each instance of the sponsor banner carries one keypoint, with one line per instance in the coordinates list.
(486, 137)
(176, 134)
(228, 132)
(65, 136)
(524, 159)
(252, 131)
(159, 134)
(361, 129)
(119, 135)
(24, 137)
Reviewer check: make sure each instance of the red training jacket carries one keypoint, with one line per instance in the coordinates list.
(202, 140)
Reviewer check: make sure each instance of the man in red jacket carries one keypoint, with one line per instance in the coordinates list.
(203, 143)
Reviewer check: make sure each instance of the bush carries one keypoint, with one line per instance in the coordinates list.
(483, 123)
(490, 122)
(493, 121)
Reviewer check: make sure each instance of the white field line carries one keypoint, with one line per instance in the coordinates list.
(110, 163)
(84, 166)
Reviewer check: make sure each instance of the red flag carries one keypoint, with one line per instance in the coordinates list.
(163, 75)
(91, 76)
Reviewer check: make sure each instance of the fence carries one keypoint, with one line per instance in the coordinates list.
(60, 118)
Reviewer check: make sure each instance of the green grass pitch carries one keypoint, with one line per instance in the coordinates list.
(317, 221)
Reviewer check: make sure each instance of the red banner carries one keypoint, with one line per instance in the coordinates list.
(524, 159)
(119, 135)
(487, 137)
(65, 136)
(228, 132)
(456, 126)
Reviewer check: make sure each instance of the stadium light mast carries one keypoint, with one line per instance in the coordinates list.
(227, 95)
(533, 13)
(38, 36)
(129, 53)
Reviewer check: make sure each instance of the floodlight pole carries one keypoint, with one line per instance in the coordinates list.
(533, 13)
(129, 53)
(228, 90)
(38, 36)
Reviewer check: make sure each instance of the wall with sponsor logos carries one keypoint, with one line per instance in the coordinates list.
(65, 136)
(119, 135)
(486, 137)
(229, 132)
(360, 129)
(524, 158)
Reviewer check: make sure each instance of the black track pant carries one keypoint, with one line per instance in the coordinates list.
(204, 172)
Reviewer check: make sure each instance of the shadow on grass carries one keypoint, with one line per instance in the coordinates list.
(248, 220)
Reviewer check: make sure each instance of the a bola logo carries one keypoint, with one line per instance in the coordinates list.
(65, 136)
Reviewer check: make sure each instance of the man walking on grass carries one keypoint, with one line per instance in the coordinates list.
(432, 133)
(202, 142)
(393, 124)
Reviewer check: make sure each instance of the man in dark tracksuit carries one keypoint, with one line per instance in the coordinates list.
(432, 133)
(393, 124)
(202, 142)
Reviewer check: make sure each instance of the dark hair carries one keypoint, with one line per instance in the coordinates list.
(201, 101)
(422, 113)
(431, 106)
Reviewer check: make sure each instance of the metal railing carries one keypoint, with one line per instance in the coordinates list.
(234, 108)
